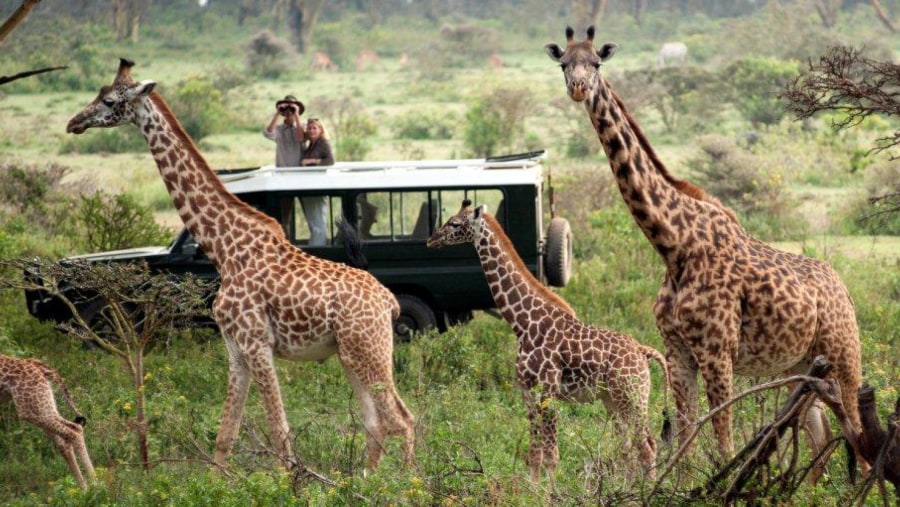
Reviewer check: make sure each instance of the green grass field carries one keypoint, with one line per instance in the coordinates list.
(471, 425)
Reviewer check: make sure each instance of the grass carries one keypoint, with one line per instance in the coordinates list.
(471, 424)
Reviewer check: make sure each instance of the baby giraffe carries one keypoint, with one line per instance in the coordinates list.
(559, 356)
(27, 382)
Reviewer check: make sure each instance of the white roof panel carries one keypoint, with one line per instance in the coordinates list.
(389, 174)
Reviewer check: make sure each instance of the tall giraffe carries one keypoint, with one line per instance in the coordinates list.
(274, 300)
(27, 383)
(729, 304)
(559, 356)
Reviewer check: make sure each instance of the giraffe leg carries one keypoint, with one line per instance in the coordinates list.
(384, 412)
(67, 436)
(683, 366)
(718, 375)
(818, 433)
(535, 456)
(233, 409)
(65, 448)
(262, 367)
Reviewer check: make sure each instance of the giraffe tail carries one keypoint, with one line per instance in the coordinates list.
(653, 354)
(54, 377)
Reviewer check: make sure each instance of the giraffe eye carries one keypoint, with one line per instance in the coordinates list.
(562, 66)
(597, 66)
(108, 102)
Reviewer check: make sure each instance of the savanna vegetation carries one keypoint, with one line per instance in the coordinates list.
(452, 79)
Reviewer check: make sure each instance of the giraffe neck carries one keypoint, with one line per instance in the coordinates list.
(214, 216)
(657, 200)
(517, 293)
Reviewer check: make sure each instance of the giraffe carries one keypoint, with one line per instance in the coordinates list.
(27, 383)
(729, 303)
(559, 356)
(274, 299)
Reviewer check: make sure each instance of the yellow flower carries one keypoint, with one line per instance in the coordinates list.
(126, 406)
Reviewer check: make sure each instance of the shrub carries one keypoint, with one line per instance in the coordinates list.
(681, 96)
(497, 120)
(349, 125)
(199, 106)
(755, 84)
(37, 199)
(749, 183)
(117, 222)
(269, 56)
(424, 124)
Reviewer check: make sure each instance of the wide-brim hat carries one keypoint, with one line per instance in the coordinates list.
(290, 99)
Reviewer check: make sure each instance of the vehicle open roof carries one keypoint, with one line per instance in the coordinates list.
(521, 169)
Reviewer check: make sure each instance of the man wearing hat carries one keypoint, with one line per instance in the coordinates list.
(289, 136)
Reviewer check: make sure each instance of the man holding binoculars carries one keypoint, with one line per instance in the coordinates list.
(289, 135)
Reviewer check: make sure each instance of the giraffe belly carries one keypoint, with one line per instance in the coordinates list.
(308, 349)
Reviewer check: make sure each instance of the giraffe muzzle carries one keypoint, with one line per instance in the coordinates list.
(578, 91)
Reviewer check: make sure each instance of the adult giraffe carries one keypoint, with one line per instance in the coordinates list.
(274, 299)
(729, 303)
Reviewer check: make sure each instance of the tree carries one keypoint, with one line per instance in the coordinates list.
(847, 82)
(119, 307)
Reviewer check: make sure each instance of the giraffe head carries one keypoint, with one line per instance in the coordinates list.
(463, 227)
(116, 104)
(580, 62)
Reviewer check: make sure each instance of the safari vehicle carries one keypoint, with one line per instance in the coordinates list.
(393, 207)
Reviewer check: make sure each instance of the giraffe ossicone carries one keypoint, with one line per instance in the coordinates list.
(274, 299)
(729, 303)
(28, 383)
(559, 357)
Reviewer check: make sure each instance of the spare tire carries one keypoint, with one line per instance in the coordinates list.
(558, 252)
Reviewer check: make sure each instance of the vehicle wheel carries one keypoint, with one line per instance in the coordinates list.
(415, 317)
(455, 318)
(558, 255)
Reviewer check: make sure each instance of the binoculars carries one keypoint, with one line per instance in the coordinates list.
(287, 108)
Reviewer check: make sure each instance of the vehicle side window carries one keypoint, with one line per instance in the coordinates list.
(396, 216)
(449, 202)
(311, 220)
(415, 215)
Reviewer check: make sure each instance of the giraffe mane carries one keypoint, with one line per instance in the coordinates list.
(685, 187)
(532, 282)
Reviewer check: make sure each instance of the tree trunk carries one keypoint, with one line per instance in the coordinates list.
(17, 17)
(140, 417)
(828, 11)
(304, 21)
(881, 15)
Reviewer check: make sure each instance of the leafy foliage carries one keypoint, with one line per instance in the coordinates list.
(118, 222)
(269, 56)
(350, 126)
(496, 120)
(755, 84)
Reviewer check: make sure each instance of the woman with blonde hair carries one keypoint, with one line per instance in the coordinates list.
(318, 151)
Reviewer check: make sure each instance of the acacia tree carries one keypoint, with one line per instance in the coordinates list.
(120, 307)
(846, 81)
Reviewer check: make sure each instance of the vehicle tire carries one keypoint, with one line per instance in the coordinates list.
(558, 253)
(415, 317)
(451, 319)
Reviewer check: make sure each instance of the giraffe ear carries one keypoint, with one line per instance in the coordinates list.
(144, 88)
(554, 51)
(479, 211)
(607, 51)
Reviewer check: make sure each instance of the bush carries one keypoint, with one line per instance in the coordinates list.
(497, 120)
(747, 182)
(36, 199)
(424, 124)
(118, 222)
(199, 106)
(681, 95)
(755, 84)
(350, 126)
(269, 56)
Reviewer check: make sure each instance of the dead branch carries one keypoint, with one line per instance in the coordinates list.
(17, 17)
(27, 73)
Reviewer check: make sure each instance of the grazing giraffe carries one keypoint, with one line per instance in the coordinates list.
(321, 62)
(27, 382)
(274, 300)
(729, 303)
(367, 60)
(559, 356)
